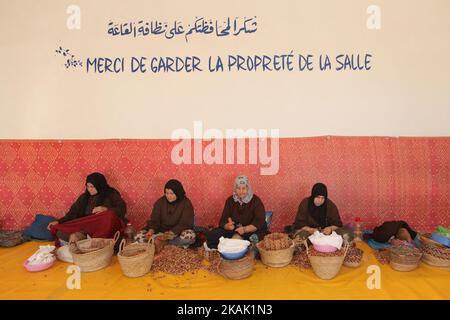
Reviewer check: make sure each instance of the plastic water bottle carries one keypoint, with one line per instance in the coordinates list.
(130, 233)
(358, 229)
(254, 240)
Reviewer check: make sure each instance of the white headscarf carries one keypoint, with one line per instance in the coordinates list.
(242, 180)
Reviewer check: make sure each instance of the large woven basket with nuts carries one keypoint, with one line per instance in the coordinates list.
(434, 253)
(353, 258)
(276, 250)
(276, 241)
(326, 265)
(404, 258)
(237, 269)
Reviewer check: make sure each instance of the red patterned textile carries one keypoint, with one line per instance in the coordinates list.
(375, 178)
(101, 225)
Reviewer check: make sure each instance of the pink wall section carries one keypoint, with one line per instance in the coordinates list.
(376, 178)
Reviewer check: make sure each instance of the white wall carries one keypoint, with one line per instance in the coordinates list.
(407, 91)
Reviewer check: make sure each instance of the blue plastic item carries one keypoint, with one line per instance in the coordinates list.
(378, 245)
(234, 255)
(436, 236)
(417, 241)
(269, 215)
(38, 229)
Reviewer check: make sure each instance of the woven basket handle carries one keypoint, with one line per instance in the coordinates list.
(121, 245)
(218, 267)
(74, 244)
(347, 246)
(150, 243)
(116, 236)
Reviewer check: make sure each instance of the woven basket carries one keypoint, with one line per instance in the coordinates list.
(93, 244)
(436, 256)
(326, 267)
(425, 239)
(136, 259)
(276, 241)
(237, 269)
(94, 260)
(353, 258)
(276, 258)
(404, 259)
(352, 264)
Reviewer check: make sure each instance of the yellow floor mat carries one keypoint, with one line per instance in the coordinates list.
(266, 283)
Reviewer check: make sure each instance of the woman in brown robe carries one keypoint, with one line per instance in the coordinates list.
(318, 213)
(172, 217)
(243, 216)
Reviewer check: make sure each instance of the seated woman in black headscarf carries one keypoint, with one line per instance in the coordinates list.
(243, 216)
(172, 217)
(99, 212)
(318, 213)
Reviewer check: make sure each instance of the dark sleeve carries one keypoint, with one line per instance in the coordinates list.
(387, 230)
(155, 219)
(186, 220)
(302, 217)
(334, 219)
(118, 205)
(75, 211)
(259, 215)
(226, 213)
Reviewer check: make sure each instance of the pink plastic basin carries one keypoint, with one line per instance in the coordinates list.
(324, 248)
(38, 267)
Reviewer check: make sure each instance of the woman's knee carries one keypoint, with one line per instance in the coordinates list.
(187, 237)
(346, 234)
(213, 237)
(403, 234)
(62, 236)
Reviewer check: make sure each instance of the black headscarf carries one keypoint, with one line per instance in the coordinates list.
(177, 188)
(318, 213)
(98, 180)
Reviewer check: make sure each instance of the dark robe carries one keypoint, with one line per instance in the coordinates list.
(175, 217)
(305, 218)
(82, 207)
(252, 213)
(390, 229)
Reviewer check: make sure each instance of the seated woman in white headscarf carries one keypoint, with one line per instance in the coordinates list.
(242, 217)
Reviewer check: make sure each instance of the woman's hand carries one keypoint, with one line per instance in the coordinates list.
(99, 209)
(149, 234)
(240, 230)
(229, 225)
(169, 235)
(310, 230)
(53, 223)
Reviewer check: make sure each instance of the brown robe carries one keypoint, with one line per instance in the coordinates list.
(252, 213)
(171, 217)
(390, 229)
(304, 218)
(113, 201)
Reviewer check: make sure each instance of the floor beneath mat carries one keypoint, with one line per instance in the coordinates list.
(266, 283)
